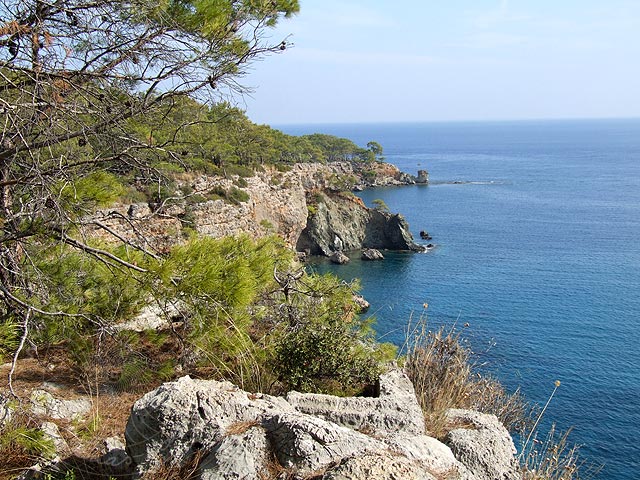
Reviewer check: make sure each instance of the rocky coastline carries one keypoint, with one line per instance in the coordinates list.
(311, 206)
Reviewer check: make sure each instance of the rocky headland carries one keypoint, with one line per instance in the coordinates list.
(310, 206)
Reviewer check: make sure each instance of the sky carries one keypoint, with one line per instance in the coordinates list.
(450, 60)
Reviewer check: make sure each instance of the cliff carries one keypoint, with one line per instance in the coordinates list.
(307, 206)
(343, 223)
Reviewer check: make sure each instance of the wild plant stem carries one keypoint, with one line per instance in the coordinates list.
(535, 425)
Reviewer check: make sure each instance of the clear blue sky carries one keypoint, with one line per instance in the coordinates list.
(442, 60)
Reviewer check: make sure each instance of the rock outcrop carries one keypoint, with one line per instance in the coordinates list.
(483, 445)
(372, 254)
(241, 435)
(343, 222)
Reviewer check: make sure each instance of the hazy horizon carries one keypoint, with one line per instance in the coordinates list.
(503, 120)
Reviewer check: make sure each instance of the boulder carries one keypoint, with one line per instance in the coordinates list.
(45, 404)
(115, 455)
(244, 435)
(429, 453)
(178, 418)
(372, 254)
(339, 258)
(483, 445)
(304, 443)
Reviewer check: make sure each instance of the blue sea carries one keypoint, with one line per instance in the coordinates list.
(538, 250)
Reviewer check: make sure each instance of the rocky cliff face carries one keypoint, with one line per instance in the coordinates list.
(278, 202)
(342, 223)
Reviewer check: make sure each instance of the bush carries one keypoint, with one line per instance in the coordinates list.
(327, 347)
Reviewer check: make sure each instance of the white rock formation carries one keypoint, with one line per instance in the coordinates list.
(243, 435)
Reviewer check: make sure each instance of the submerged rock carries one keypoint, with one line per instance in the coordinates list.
(339, 258)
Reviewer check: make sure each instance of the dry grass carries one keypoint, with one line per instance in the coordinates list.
(554, 458)
(186, 471)
(442, 370)
(439, 367)
(240, 428)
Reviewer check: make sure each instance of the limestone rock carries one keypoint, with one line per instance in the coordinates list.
(305, 443)
(115, 454)
(378, 466)
(483, 445)
(361, 303)
(372, 254)
(153, 317)
(328, 437)
(43, 403)
(339, 258)
(395, 410)
(242, 457)
(52, 432)
(356, 225)
(6, 412)
(173, 421)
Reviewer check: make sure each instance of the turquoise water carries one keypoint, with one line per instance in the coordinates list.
(540, 254)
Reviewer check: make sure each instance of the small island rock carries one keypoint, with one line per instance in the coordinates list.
(339, 258)
(372, 254)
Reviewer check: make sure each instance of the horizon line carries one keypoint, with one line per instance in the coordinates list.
(400, 122)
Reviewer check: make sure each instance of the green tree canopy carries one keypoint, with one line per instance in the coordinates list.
(84, 86)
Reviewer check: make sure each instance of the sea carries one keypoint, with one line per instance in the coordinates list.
(536, 226)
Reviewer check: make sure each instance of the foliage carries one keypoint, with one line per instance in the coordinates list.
(9, 338)
(93, 100)
(376, 151)
(380, 205)
(327, 347)
(22, 444)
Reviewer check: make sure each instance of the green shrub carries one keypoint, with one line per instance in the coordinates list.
(327, 347)
(235, 195)
(380, 205)
(241, 170)
(22, 445)
(9, 338)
